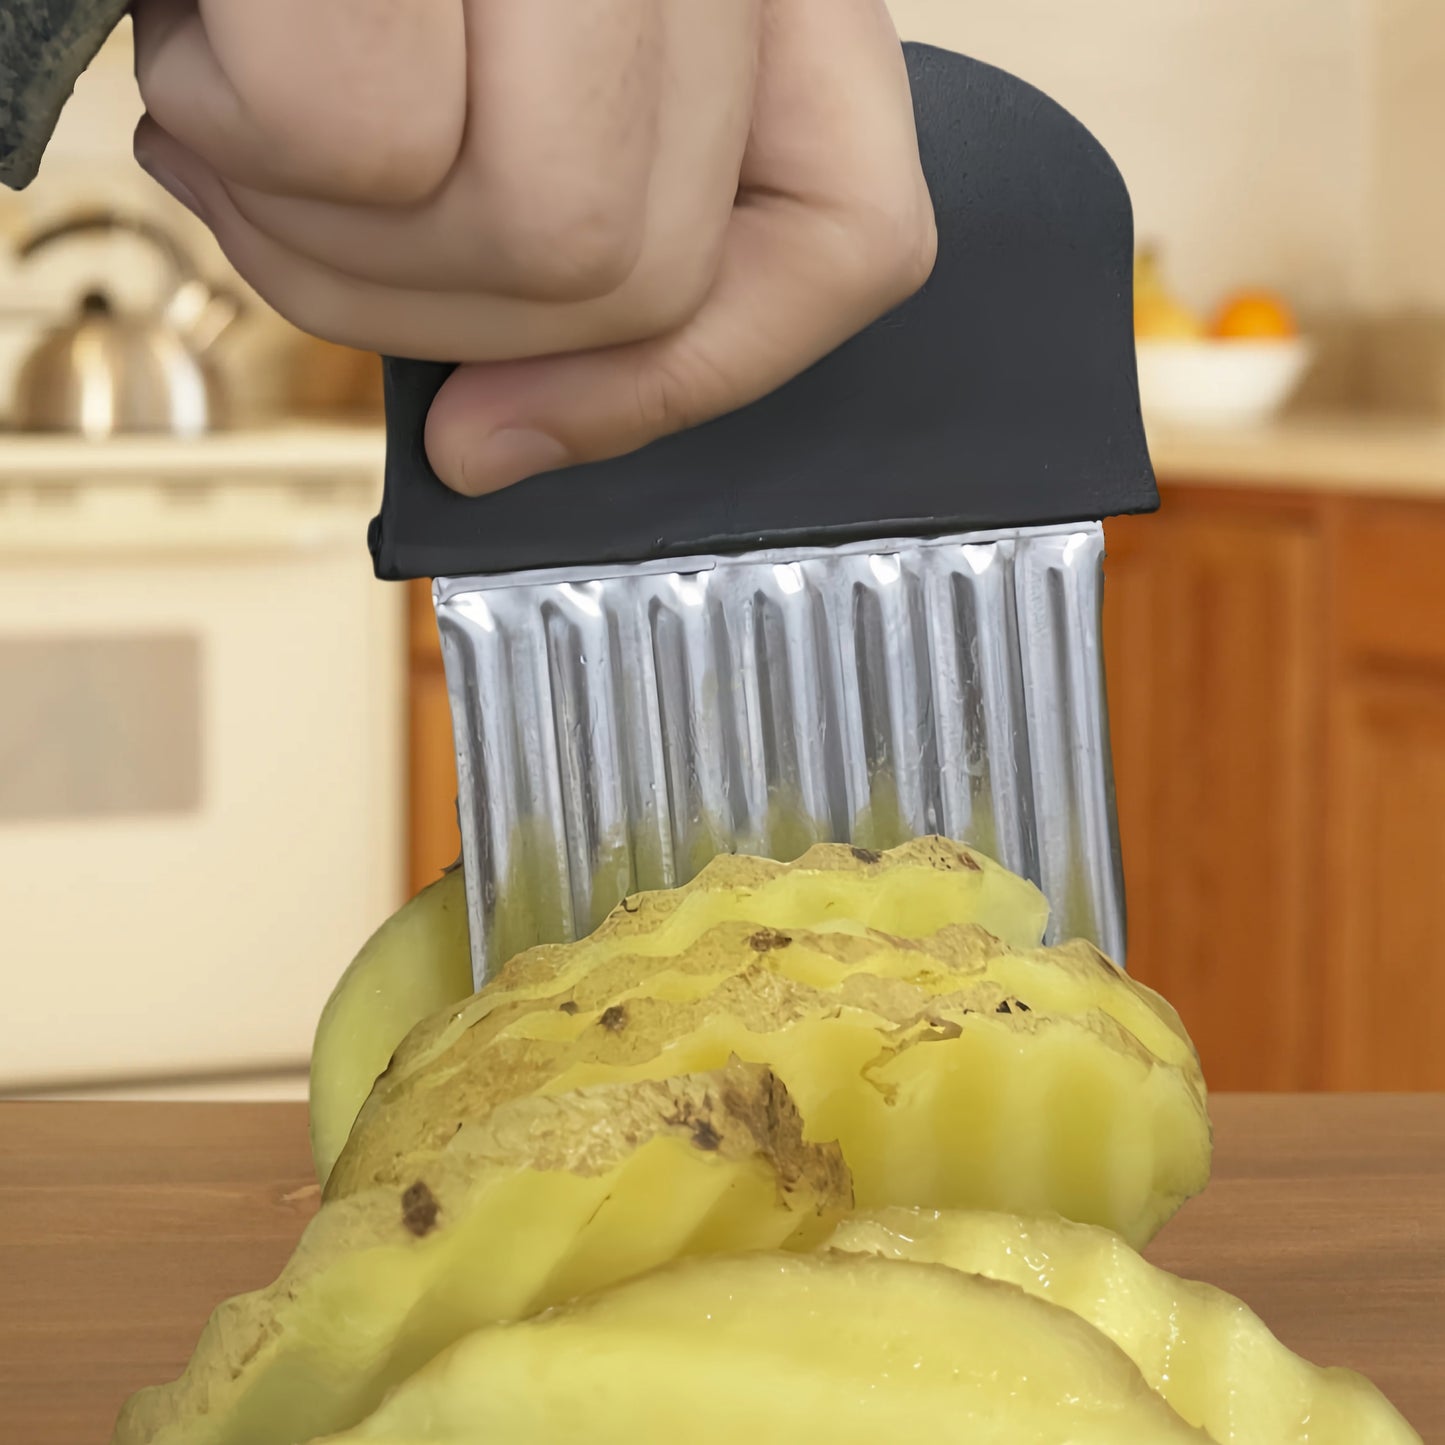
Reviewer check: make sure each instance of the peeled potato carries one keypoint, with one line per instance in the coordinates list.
(779, 1350)
(1209, 1355)
(417, 962)
(546, 1198)
(953, 1070)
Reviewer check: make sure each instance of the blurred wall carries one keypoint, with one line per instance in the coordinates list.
(1407, 79)
(1241, 126)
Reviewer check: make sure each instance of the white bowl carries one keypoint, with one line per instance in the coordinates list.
(1219, 383)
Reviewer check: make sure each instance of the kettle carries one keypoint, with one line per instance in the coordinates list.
(105, 372)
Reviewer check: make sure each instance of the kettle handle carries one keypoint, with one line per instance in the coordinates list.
(181, 264)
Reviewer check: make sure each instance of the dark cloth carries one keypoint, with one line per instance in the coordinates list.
(44, 47)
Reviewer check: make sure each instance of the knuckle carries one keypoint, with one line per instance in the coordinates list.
(570, 248)
(897, 246)
(399, 169)
(349, 151)
(922, 247)
(672, 279)
(664, 403)
(671, 295)
(679, 389)
(659, 400)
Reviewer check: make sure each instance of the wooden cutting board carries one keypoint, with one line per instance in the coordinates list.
(122, 1225)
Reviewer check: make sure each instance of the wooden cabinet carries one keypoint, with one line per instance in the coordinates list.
(1385, 953)
(1384, 961)
(1277, 695)
(1276, 669)
(1215, 674)
(433, 840)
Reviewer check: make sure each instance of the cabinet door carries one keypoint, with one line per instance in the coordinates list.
(1386, 948)
(1213, 645)
(433, 840)
(1387, 951)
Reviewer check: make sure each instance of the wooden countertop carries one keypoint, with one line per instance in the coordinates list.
(122, 1225)
(1368, 456)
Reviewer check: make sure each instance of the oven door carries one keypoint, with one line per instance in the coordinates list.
(201, 772)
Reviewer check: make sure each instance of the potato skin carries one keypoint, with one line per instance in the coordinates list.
(508, 1219)
(417, 962)
(909, 891)
(932, 1060)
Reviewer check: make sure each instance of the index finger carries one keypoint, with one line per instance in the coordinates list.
(338, 99)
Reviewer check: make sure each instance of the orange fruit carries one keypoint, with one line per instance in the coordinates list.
(1254, 316)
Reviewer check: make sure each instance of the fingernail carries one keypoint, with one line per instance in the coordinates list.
(507, 456)
(170, 183)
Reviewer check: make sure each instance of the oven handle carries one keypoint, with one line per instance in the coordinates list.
(123, 523)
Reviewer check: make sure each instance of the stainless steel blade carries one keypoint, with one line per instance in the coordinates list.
(614, 732)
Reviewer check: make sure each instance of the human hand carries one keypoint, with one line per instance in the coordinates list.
(624, 217)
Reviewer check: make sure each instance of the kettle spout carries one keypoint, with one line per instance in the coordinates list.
(202, 313)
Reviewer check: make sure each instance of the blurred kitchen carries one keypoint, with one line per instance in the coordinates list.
(225, 751)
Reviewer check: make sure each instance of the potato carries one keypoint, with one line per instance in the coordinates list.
(955, 1071)
(911, 891)
(417, 962)
(779, 1350)
(544, 1199)
(1210, 1356)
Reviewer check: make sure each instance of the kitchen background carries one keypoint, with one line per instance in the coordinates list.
(225, 751)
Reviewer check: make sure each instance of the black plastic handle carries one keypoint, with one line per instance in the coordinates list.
(1003, 394)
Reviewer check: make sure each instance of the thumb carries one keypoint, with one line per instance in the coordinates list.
(793, 285)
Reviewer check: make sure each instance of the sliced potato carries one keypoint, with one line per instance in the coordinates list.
(954, 1071)
(418, 961)
(777, 1350)
(1208, 1354)
(544, 1199)
(911, 891)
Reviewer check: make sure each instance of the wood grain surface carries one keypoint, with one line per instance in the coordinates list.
(1276, 677)
(1215, 672)
(122, 1225)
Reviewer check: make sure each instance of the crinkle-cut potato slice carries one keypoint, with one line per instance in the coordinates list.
(546, 1198)
(955, 1072)
(417, 962)
(910, 891)
(782, 1350)
(1208, 1354)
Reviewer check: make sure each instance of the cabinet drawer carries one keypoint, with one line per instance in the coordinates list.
(1390, 581)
